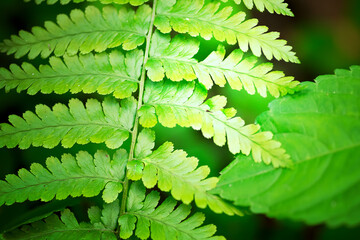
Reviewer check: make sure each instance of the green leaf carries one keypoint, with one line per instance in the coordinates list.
(92, 30)
(176, 60)
(320, 129)
(103, 73)
(63, 2)
(134, 170)
(207, 21)
(174, 172)
(67, 227)
(162, 221)
(145, 143)
(110, 214)
(183, 104)
(272, 6)
(97, 123)
(84, 175)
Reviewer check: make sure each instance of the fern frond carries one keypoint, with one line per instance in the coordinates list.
(195, 18)
(164, 221)
(175, 59)
(83, 32)
(103, 73)
(63, 2)
(96, 123)
(175, 172)
(278, 6)
(182, 103)
(84, 175)
(101, 226)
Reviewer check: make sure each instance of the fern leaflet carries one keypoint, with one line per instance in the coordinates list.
(102, 73)
(272, 6)
(195, 18)
(174, 171)
(183, 103)
(101, 226)
(164, 220)
(83, 32)
(132, 2)
(175, 59)
(96, 123)
(83, 175)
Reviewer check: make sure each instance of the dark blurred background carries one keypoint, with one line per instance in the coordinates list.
(324, 33)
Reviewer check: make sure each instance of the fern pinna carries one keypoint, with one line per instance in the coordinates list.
(141, 55)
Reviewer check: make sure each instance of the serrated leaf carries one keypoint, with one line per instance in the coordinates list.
(103, 73)
(145, 143)
(83, 32)
(174, 172)
(134, 170)
(207, 20)
(175, 58)
(278, 6)
(82, 175)
(163, 221)
(127, 226)
(110, 214)
(65, 227)
(106, 122)
(184, 104)
(63, 2)
(320, 128)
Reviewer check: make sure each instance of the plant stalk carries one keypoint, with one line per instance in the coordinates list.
(139, 105)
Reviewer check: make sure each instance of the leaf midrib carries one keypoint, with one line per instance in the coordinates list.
(221, 68)
(195, 184)
(45, 233)
(64, 126)
(126, 78)
(62, 180)
(160, 221)
(295, 163)
(71, 36)
(182, 16)
(217, 119)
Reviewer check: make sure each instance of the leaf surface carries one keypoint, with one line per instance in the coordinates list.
(97, 123)
(103, 73)
(161, 221)
(175, 58)
(183, 103)
(320, 128)
(63, 2)
(174, 171)
(67, 227)
(278, 6)
(84, 175)
(92, 30)
(208, 20)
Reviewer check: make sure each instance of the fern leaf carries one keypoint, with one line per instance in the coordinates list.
(195, 18)
(103, 73)
(101, 226)
(83, 32)
(278, 6)
(174, 171)
(96, 123)
(84, 175)
(183, 103)
(63, 2)
(175, 59)
(164, 221)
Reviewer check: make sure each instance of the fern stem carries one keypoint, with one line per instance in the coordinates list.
(140, 100)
